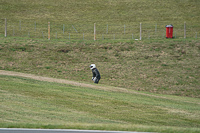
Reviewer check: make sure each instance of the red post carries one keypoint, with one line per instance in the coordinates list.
(169, 31)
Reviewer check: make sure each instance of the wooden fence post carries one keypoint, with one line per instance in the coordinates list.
(94, 31)
(35, 26)
(124, 29)
(63, 28)
(48, 30)
(156, 28)
(140, 31)
(184, 29)
(5, 27)
(19, 25)
(107, 29)
(196, 35)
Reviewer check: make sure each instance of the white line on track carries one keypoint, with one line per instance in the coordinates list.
(26, 130)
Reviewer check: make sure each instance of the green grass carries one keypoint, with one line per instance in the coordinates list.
(161, 75)
(160, 66)
(28, 103)
(30, 18)
(102, 11)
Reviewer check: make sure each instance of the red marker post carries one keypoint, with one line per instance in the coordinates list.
(169, 31)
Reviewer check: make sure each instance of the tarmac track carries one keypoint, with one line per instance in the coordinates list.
(23, 130)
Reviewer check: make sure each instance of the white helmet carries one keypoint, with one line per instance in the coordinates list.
(92, 66)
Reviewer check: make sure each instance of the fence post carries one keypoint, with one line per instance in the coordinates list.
(175, 34)
(35, 26)
(196, 35)
(13, 31)
(63, 28)
(5, 27)
(107, 29)
(42, 35)
(184, 29)
(124, 29)
(48, 30)
(19, 25)
(94, 31)
(156, 28)
(140, 31)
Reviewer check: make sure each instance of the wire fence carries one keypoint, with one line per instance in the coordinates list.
(144, 30)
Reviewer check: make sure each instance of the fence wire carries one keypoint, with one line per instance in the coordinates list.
(37, 29)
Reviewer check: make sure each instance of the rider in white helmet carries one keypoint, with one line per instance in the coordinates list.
(96, 75)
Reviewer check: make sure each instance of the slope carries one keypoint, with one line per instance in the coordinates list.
(31, 101)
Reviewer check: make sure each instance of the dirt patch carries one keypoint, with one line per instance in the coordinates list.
(95, 86)
(48, 79)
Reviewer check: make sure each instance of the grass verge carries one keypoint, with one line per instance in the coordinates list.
(28, 103)
(158, 66)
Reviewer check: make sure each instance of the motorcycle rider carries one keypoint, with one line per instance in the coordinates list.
(96, 75)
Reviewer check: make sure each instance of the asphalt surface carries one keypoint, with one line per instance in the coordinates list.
(21, 130)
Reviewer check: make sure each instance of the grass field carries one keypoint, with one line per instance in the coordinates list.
(159, 66)
(102, 11)
(30, 18)
(148, 85)
(28, 103)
